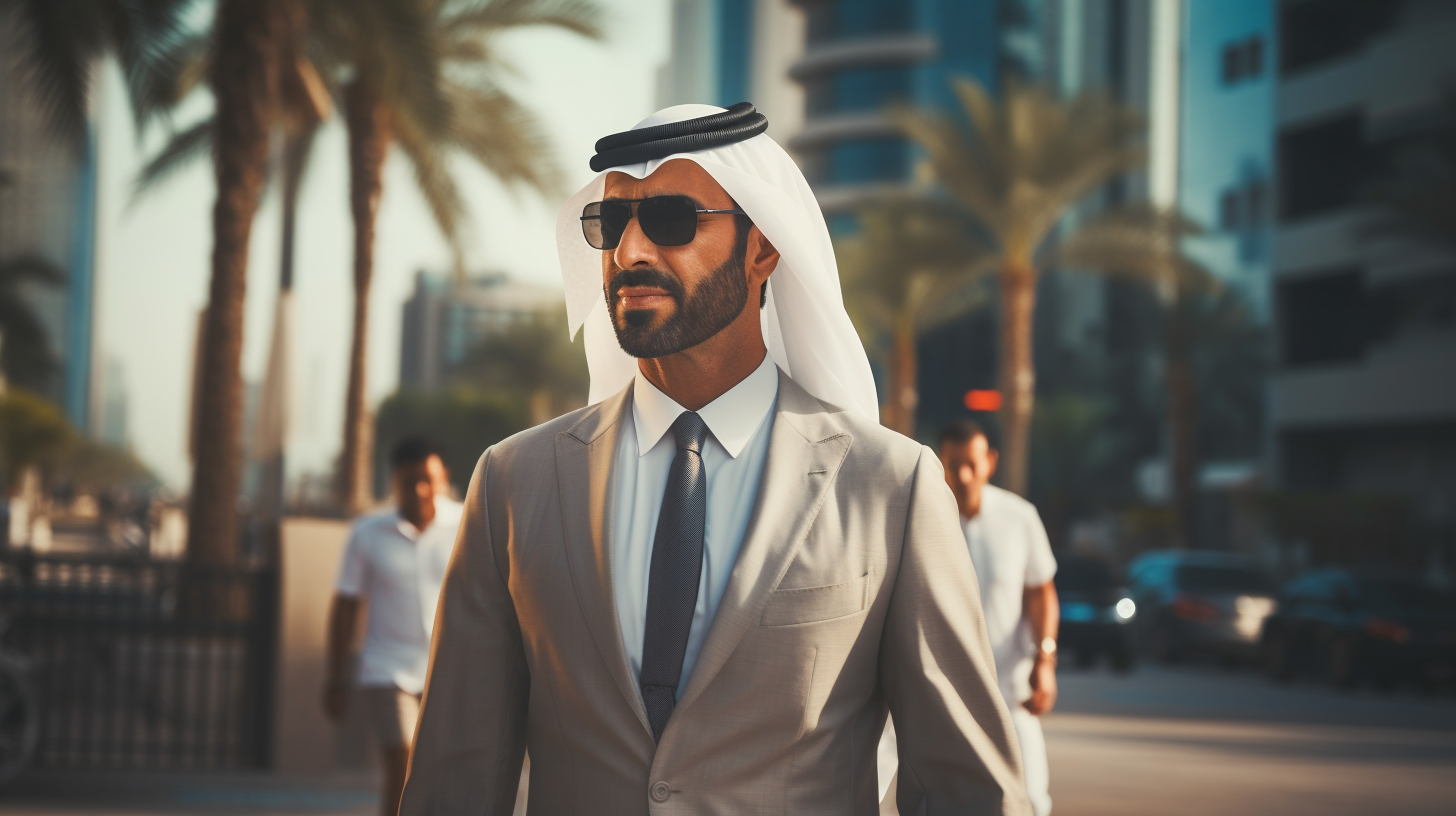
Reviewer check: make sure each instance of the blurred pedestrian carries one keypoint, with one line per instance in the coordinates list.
(393, 565)
(703, 592)
(1014, 566)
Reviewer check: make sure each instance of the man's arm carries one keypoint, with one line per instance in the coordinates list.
(343, 623)
(1044, 614)
(471, 739)
(957, 749)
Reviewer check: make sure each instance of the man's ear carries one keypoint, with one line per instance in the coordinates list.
(762, 258)
(992, 457)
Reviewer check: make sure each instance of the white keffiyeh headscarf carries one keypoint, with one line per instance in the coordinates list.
(805, 326)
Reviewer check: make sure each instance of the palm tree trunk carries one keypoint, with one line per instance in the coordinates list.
(245, 85)
(903, 395)
(369, 139)
(1182, 423)
(1016, 374)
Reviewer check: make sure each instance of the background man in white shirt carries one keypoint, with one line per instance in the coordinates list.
(1014, 566)
(394, 563)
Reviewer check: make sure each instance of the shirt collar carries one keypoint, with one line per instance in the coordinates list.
(732, 418)
(444, 508)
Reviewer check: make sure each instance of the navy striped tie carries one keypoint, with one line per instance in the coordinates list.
(677, 567)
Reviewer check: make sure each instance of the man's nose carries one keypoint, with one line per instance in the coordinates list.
(634, 248)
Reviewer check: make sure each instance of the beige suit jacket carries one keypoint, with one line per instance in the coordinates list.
(853, 592)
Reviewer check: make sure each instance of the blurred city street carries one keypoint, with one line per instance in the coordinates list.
(1187, 740)
(1205, 740)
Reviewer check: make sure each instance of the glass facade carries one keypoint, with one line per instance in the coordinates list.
(862, 56)
(1227, 150)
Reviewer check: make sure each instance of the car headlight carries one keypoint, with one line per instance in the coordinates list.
(1126, 609)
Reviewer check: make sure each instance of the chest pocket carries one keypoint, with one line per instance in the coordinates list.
(787, 607)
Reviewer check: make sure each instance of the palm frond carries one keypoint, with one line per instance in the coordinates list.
(29, 268)
(59, 41)
(1017, 163)
(491, 127)
(1138, 241)
(432, 175)
(190, 145)
(171, 75)
(489, 16)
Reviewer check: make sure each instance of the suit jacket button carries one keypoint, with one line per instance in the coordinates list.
(661, 791)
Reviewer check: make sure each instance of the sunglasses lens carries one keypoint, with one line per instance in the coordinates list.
(603, 222)
(668, 220)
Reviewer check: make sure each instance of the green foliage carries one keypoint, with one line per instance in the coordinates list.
(25, 345)
(1026, 156)
(910, 255)
(464, 421)
(511, 381)
(92, 467)
(59, 41)
(32, 430)
(532, 362)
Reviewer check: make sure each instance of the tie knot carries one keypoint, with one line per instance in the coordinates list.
(690, 432)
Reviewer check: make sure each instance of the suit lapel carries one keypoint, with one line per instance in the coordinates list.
(585, 460)
(806, 448)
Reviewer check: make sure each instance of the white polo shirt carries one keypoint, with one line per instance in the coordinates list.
(398, 571)
(1010, 552)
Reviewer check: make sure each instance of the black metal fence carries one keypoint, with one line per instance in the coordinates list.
(142, 664)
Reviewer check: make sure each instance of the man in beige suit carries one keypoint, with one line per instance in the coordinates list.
(703, 593)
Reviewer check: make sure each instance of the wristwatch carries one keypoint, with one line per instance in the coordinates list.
(1048, 646)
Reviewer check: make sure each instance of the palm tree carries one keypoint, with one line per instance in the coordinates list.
(305, 105)
(478, 119)
(26, 356)
(1145, 243)
(60, 41)
(904, 269)
(1020, 166)
(251, 39)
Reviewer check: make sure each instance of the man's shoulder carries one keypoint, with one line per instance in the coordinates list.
(370, 525)
(874, 446)
(529, 449)
(1009, 506)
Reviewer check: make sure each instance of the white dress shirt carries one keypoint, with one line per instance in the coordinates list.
(733, 456)
(398, 570)
(1010, 552)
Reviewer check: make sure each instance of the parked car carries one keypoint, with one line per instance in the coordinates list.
(1096, 614)
(1193, 602)
(1347, 626)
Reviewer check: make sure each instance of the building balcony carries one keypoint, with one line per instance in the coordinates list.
(895, 49)
(821, 131)
(1409, 382)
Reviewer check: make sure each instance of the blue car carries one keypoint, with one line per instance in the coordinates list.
(1096, 614)
(1348, 626)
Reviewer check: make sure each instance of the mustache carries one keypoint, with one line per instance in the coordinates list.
(645, 277)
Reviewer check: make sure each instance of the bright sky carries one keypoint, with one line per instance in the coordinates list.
(153, 258)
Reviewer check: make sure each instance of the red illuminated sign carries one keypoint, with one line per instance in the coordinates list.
(983, 400)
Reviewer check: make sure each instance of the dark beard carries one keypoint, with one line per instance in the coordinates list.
(718, 300)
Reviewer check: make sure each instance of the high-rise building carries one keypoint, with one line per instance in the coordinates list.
(49, 209)
(443, 322)
(861, 56)
(1364, 396)
(727, 51)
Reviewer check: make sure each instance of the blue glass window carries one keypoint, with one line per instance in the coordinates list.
(869, 160)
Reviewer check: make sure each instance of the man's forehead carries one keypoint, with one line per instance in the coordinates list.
(677, 177)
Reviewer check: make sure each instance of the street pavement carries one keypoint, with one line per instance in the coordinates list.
(1191, 741)
(1206, 740)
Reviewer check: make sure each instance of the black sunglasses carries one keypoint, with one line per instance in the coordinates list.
(666, 220)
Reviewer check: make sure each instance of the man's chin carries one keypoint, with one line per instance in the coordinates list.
(638, 318)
